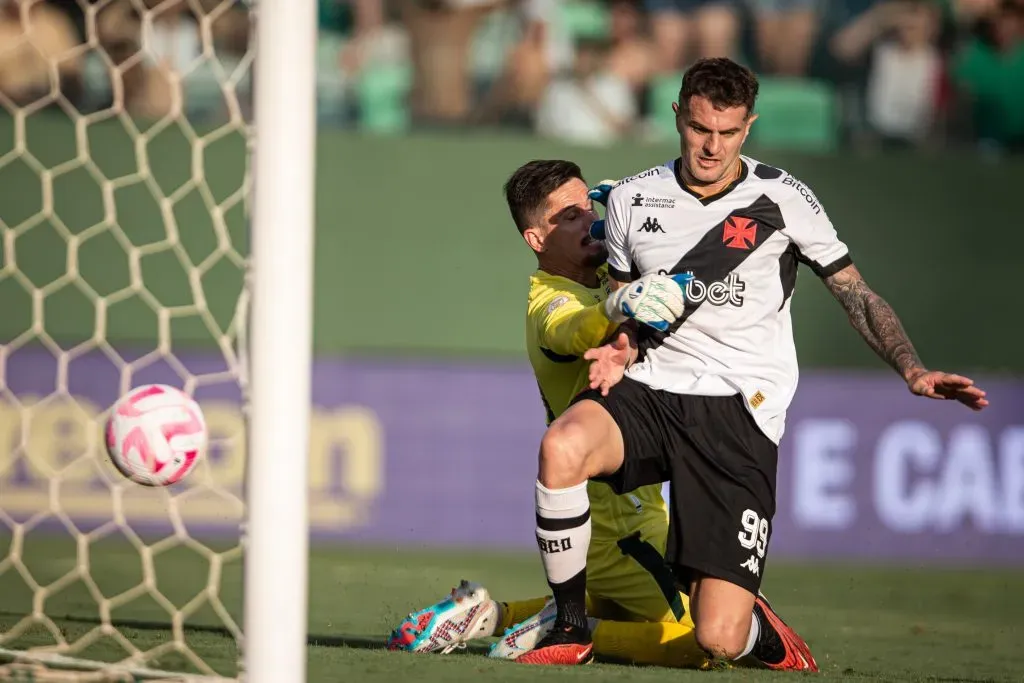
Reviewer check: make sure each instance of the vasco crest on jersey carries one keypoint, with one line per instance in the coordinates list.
(739, 232)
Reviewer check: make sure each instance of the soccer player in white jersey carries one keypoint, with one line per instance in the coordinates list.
(703, 405)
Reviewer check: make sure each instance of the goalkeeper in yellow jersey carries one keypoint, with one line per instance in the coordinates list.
(637, 613)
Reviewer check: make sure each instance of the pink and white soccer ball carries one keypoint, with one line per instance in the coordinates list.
(156, 435)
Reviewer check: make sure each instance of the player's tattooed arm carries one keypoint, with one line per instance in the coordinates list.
(876, 322)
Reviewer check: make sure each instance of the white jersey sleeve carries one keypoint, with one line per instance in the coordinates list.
(616, 231)
(810, 230)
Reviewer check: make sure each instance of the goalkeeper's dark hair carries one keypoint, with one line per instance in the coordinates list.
(528, 188)
(722, 81)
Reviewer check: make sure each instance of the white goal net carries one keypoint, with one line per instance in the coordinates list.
(124, 195)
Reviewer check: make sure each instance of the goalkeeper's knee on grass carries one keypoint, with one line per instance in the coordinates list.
(648, 643)
(670, 644)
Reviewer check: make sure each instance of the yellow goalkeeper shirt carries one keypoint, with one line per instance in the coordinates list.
(565, 318)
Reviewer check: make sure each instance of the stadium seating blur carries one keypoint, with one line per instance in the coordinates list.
(860, 80)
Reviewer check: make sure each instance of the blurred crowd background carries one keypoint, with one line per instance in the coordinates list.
(860, 73)
(125, 181)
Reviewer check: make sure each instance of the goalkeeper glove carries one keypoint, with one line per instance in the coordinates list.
(600, 194)
(655, 300)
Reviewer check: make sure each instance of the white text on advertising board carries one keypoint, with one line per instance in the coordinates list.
(52, 458)
(918, 478)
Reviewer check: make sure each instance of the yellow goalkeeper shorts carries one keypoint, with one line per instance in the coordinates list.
(629, 580)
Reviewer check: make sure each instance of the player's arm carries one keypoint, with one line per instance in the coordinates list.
(622, 349)
(568, 328)
(656, 300)
(878, 324)
(818, 246)
(876, 321)
(809, 228)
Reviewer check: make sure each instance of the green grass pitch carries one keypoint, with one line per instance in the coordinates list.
(863, 622)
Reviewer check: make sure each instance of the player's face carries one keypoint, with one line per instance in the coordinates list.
(711, 139)
(562, 232)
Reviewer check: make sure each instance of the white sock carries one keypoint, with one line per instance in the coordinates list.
(755, 631)
(563, 531)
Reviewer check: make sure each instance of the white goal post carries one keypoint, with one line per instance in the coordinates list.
(276, 558)
(123, 261)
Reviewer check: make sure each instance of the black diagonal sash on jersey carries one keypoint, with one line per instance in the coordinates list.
(711, 260)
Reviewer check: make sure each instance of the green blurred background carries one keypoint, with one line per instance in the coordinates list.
(413, 261)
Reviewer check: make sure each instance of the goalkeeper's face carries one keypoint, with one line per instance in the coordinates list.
(561, 231)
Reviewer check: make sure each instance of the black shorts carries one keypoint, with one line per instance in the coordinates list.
(722, 470)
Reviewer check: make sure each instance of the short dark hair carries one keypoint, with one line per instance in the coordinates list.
(722, 81)
(528, 188)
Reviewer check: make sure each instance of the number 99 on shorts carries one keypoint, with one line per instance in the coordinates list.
(754, 532)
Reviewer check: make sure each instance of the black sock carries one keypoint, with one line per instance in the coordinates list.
(563, 535)
(571, 600)
(768, 647)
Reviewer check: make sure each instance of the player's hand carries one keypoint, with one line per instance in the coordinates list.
(600, 192)
(654, 300)
(947, 387)
(608, 363)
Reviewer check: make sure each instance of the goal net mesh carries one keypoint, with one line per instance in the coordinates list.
(124, 192)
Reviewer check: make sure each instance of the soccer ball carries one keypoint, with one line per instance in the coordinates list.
(156, 434)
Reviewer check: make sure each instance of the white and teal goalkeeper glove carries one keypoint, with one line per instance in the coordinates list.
(654, 300)
(599, 194)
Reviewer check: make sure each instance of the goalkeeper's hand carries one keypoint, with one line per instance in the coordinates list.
(600, 194)
(654, 300)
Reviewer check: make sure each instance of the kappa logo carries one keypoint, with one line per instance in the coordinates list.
(651, 225)
(753, 565)
(739, 233)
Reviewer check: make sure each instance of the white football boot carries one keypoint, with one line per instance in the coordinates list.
(521, 638)
(465, 615)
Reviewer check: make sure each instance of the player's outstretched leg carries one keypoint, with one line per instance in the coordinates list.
(466, 614)
(584, 442)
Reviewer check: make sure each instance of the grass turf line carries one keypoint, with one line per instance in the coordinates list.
(862, 622)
